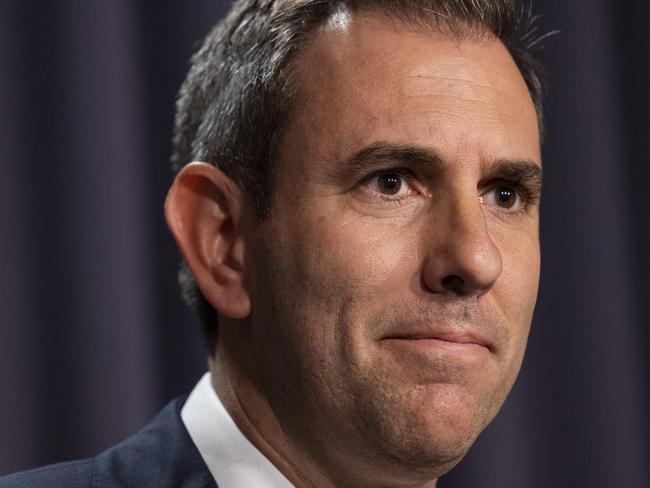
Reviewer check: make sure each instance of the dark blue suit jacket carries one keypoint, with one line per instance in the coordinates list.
(159, 456)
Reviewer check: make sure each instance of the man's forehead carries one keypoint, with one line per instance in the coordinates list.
(368, 66)
(349, 43)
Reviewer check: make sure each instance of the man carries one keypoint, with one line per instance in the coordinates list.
(363, 228)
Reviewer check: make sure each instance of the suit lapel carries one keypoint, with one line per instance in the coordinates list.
(160, 455)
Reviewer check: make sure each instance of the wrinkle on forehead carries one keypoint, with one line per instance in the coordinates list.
(349, 51)
(369, 75)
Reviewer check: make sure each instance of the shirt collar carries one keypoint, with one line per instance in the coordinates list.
(232, 459)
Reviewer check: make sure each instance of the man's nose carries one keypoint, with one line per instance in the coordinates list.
(462, 259)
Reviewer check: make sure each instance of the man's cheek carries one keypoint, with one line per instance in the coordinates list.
(521, 264)
(368, 258)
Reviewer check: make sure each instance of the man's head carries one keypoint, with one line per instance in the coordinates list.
(237, 98)
(372, 249)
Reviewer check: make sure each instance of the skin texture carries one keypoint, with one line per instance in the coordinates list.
(367, 335)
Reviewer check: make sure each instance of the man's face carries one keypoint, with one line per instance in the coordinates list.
(395, 280)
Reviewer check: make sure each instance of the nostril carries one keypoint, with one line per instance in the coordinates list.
(454, 284)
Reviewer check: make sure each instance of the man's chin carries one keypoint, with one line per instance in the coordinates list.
(435, 428)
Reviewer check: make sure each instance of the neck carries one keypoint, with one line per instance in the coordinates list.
(254, 416)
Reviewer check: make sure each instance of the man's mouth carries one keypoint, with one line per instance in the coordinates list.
(451, 340)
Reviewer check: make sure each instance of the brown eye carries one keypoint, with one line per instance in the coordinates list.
(389, 183)
(505, 197)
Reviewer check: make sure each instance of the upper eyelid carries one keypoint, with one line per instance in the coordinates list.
(405, 172)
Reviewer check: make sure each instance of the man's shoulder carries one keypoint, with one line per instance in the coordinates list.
(162, 454)
(73, 474)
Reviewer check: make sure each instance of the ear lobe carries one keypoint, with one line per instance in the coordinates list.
(203, 209)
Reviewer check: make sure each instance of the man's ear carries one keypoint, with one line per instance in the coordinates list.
(204, 210)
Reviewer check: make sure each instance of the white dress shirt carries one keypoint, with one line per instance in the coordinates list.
(231, 458)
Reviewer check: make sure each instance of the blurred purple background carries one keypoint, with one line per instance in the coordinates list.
(94, 338)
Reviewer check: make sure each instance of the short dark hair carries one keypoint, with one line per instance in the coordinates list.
(237, 97)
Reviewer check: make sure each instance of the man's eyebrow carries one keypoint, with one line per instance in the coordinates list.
(525, 172)
(384, 153)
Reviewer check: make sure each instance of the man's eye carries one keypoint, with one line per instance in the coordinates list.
(389, 184)
(505, 197)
